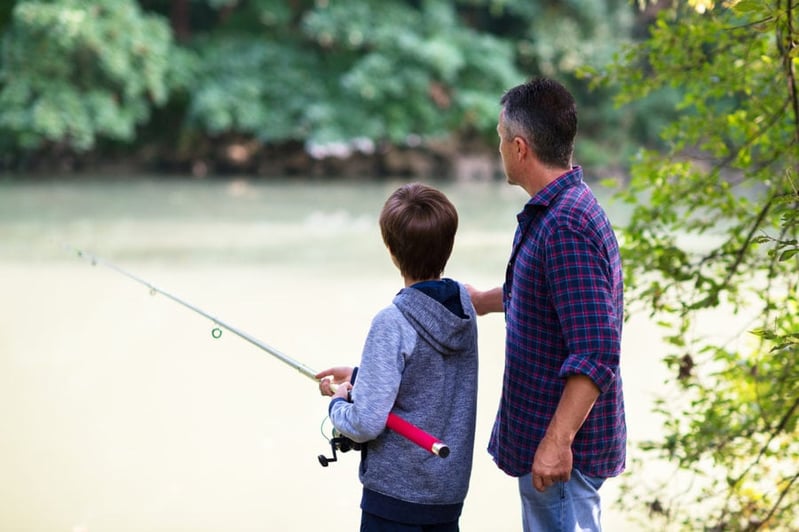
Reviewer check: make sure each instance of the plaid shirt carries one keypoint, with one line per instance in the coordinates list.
(563, 310)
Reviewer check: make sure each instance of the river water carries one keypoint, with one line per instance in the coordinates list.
(121, 413)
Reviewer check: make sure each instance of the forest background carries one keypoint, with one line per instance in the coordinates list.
(276, 87)
(690, 108)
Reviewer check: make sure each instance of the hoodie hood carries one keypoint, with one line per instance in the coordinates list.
(446, 331)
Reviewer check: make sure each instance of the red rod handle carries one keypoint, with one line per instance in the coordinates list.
(417, 435)
(408, 430)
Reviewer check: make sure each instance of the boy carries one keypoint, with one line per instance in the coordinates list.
(420, 362)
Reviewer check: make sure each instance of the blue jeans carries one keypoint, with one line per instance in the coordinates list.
(563, 507)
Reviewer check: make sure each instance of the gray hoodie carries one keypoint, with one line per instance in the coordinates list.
(419, 362)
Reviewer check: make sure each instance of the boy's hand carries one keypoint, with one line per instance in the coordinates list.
(339, 374)
(343, 391)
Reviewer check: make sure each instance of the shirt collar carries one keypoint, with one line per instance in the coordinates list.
(546, 195)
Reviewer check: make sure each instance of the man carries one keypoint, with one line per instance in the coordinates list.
(560, 427)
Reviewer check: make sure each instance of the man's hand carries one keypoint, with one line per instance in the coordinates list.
(552, 463)
(553, 459)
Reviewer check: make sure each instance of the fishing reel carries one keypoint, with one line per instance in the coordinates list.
(340, 443)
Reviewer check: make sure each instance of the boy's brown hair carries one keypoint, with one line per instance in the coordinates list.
(418, 224)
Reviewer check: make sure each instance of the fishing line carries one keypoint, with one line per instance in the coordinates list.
(216, 332)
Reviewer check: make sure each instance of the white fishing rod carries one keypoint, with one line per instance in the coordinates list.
(216, 332)
(393, 422)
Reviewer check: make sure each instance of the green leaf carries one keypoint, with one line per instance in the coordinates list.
(787, 254)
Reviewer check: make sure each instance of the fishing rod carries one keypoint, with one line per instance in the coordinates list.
(337, 442)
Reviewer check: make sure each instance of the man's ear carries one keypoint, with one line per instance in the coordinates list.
(521, 147)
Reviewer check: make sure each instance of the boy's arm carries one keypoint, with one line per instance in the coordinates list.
(379, 376)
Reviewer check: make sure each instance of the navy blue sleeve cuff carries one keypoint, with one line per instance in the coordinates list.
(334, 401)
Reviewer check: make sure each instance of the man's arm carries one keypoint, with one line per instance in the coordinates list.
(553, 459)
(486, 301)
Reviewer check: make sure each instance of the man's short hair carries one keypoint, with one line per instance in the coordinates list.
(543, 112)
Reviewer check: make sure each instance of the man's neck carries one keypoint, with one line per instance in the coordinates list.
(541, 176)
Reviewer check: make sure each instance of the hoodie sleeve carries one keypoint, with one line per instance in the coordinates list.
(389, 341)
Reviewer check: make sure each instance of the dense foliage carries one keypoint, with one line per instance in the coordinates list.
(714, 233)
(182, 74)
(72, 72)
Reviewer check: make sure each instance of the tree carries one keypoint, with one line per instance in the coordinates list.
(73, 71)
(393, 71)
(727, 178)
(334, 72)
(178, 73)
